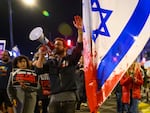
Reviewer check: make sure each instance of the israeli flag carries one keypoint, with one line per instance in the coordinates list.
(115, 32)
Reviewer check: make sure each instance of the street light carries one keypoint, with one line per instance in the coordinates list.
(29, 2)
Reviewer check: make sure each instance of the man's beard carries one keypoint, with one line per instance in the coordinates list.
(58, 52)
(5, 60)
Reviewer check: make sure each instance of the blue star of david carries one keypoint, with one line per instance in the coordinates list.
(102, 29)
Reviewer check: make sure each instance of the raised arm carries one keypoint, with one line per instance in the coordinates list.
(41, 56)
(79, 25)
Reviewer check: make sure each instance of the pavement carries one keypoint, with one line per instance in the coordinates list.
(144, 107)
(109, 106)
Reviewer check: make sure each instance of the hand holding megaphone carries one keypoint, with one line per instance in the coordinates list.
(37, 34)
(42, 48)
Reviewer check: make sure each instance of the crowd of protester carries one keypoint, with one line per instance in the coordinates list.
(46, 84)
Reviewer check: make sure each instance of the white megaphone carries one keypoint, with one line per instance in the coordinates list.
(37, 34)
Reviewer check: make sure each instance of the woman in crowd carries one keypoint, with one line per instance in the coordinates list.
(131, 88)
(137, 82)
(125, 83)
(22, 85)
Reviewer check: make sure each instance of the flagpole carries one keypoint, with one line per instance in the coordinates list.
(10, 23)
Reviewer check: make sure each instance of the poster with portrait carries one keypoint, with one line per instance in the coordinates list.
(45, 84)
(2, 46)
(24, 76)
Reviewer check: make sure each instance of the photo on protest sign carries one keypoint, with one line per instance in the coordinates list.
(2, 46)
(24, 76)
(45, 83)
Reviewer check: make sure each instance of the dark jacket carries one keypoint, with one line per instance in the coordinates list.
(5, 70)
(62, 72)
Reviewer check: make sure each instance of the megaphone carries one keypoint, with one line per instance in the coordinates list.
(37, 34)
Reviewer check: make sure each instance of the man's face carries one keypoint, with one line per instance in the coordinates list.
(5, 56)
(59, 47)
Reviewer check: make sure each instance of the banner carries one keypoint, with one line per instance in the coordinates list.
(115, 32)
(25, 76)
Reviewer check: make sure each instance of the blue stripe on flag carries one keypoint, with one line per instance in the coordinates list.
(124, 41)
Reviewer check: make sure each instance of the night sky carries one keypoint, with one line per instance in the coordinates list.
(26, 18)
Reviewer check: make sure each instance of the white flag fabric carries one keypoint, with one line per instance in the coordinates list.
(115, 32)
